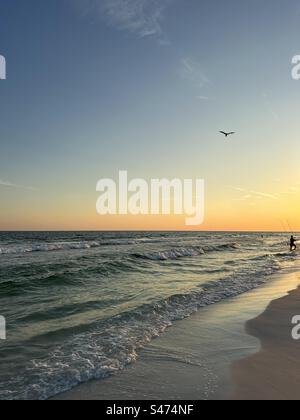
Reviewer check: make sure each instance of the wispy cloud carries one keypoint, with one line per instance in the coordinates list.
(269, 106)
(239, 189)
(244, 198)
(265, 195)
(203, 98)
(254, 195)
(192, 71)
(258, 195)
(140, 17)
(9, 184)
(292, 190)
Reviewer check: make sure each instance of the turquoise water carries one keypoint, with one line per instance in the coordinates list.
(78, 306)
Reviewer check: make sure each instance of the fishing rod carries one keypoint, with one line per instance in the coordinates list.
(286, 229)
(291, 230)
(283, 227)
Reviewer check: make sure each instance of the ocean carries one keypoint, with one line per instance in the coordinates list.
(80, 305)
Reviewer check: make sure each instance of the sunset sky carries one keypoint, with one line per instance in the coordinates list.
(98, 86)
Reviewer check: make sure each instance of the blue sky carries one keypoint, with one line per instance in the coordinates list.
(94, 86)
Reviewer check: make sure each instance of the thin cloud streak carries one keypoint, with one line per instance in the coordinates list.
(259, 195)
(9, 184)
(265, 195)
(203, 98)
(254, 195)
(141, 17)
(239, 189)
(269, 106)
(192, 71)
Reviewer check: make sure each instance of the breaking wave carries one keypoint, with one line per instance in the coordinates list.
(176, 253)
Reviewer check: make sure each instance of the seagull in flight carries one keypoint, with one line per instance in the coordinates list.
(227, 134)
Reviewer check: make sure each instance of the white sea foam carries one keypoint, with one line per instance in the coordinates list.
(65, 246)
(173, 254)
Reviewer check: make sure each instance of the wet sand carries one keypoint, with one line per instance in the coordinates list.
(193, 360)
(274, 372)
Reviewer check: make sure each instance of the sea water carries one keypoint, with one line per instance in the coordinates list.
(79, 306)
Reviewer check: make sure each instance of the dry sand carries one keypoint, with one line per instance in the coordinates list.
(274, 372)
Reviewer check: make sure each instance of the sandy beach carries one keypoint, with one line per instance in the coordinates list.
(274, 372)
(208, 346)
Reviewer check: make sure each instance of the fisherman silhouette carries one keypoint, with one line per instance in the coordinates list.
(293, 244)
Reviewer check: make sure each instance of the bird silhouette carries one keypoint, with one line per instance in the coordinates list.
(227, 134)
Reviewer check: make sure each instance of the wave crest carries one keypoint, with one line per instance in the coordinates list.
(175, 253)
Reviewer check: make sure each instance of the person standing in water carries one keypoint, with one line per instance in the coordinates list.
(293, 244)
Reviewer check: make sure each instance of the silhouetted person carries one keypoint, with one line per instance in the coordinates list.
(293, 243)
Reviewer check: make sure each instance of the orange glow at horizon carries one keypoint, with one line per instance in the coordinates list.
(230, 216)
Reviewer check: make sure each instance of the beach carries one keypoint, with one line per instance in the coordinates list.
(212, 355)
(274, 372)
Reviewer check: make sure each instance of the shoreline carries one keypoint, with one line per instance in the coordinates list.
(192, 360)
(274, 372)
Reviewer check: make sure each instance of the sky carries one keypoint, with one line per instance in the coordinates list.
(98, 86)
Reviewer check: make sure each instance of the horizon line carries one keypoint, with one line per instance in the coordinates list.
(145, 231)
